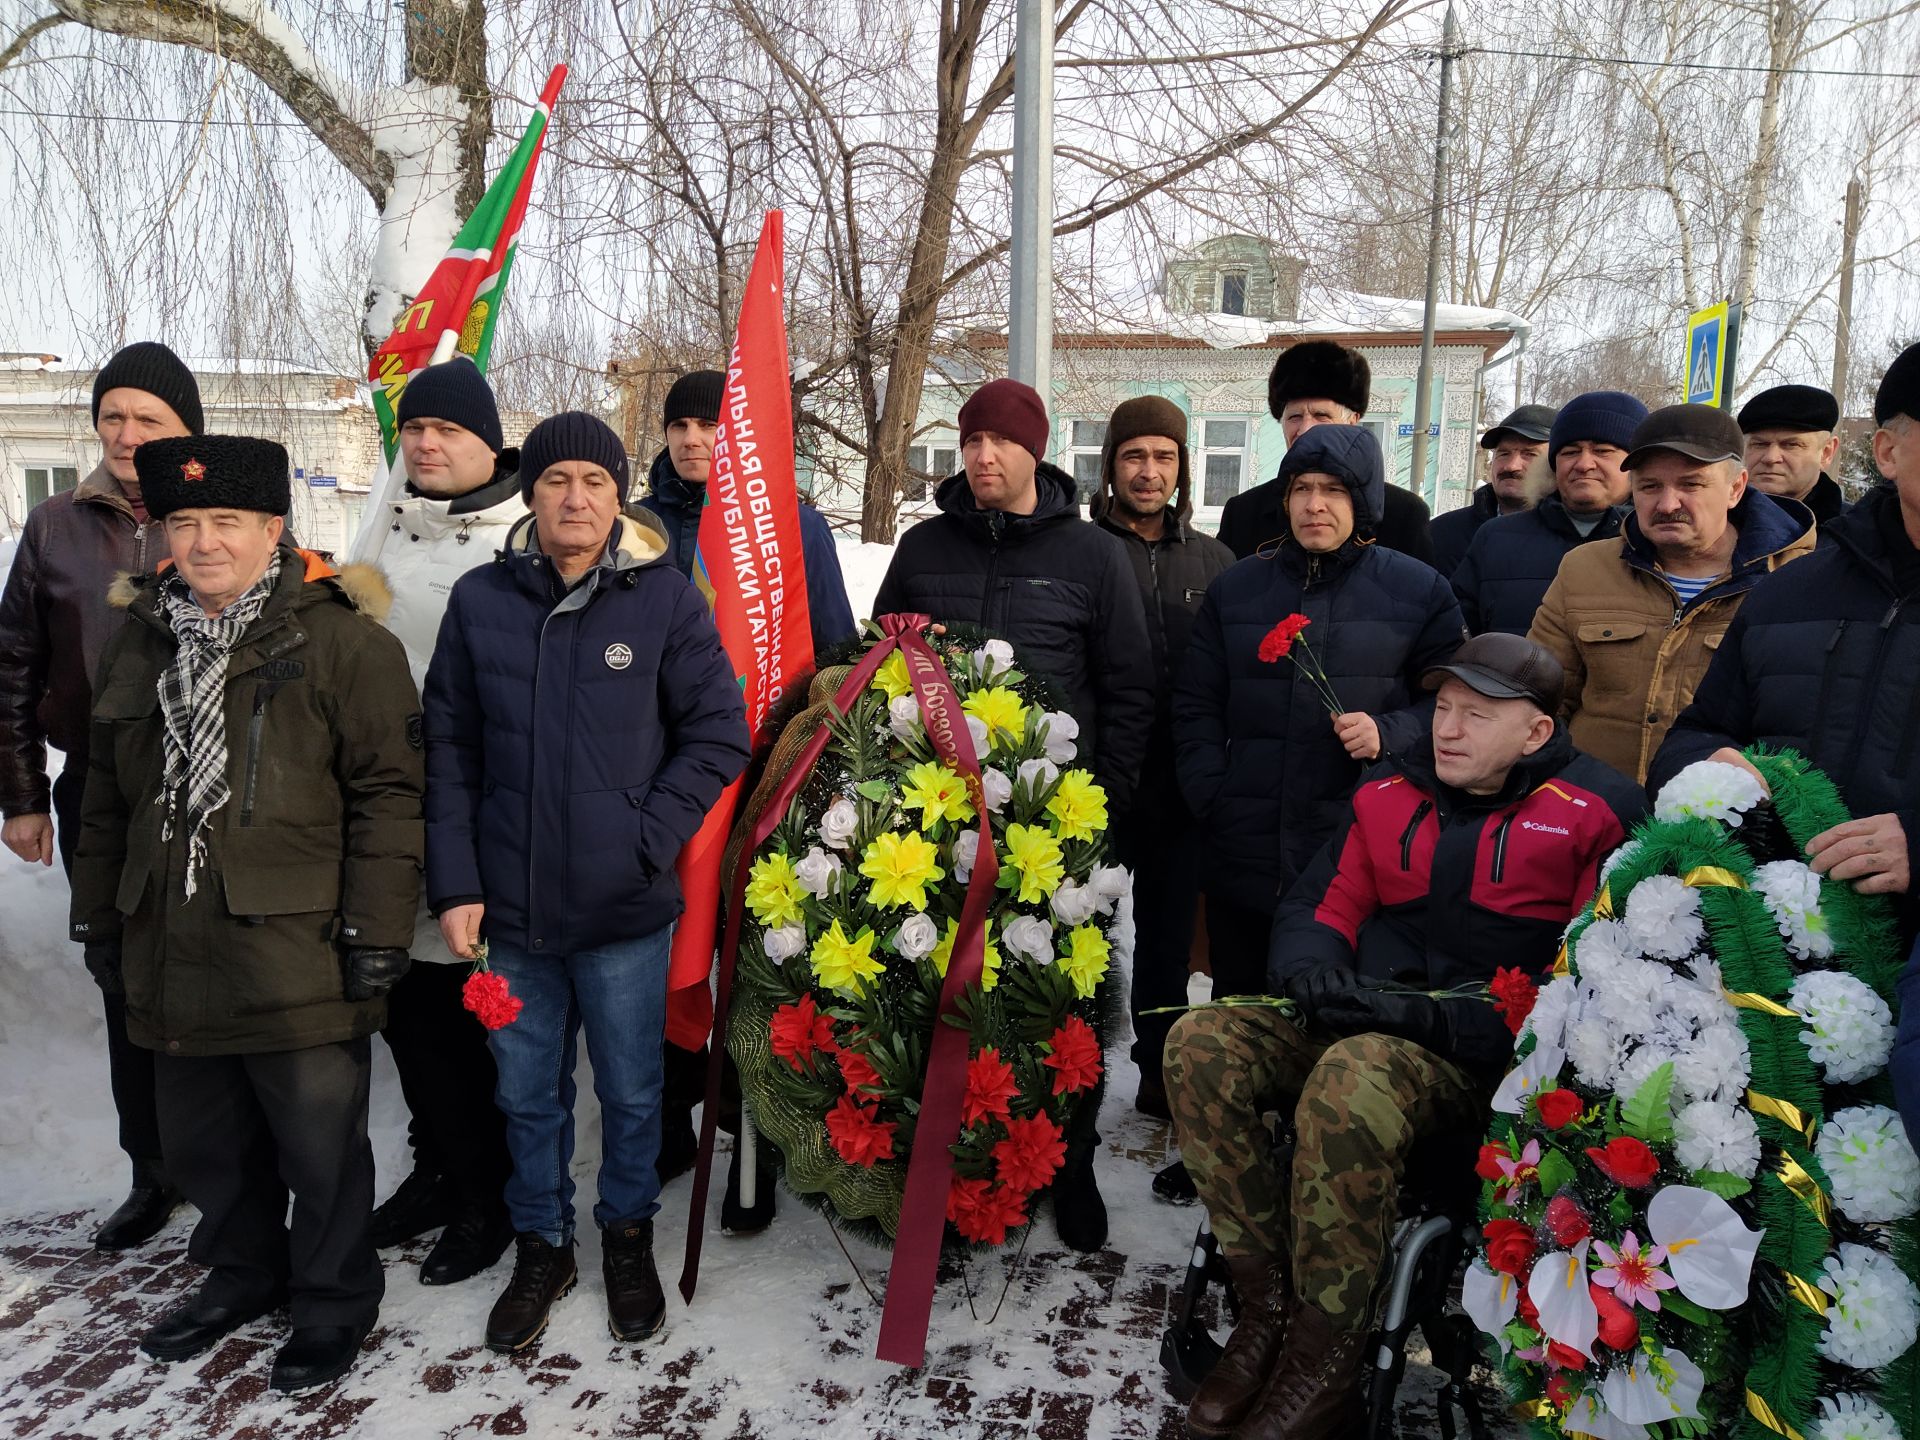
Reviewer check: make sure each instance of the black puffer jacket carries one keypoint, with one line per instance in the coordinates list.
(1513, 560)
(1258, 517)
(1824, 657)
(1054, 586)
(1453, 532)
(1255, 749)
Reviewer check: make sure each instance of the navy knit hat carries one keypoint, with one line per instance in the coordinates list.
(1606, 417)
(570, 435)
(453, 390)
(150, 366)
(694, 396)
(213, 472)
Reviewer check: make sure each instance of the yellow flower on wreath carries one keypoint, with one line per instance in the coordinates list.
(989, 965)
(1085, 960)
(1035, 854)
(1078, 807)
(774, 893)
(845, 965)
(892, 677)
(937, 791)
(901, 867)
(1000, 710)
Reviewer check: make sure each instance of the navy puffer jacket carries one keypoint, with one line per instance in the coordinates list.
(1254, 747)
(575, 741)
(1513, 559)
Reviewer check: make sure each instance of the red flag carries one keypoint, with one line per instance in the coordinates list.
(751, 569)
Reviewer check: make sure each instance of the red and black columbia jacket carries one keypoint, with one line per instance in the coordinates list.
(1433, 888)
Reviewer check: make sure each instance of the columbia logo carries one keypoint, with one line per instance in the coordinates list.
(1544, 829)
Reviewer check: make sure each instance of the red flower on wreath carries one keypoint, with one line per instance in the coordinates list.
(1510, 1246)
(1562, 1388)
(1487, 1167)
(857, 1070)
(983, 1212)
(1625, 1161)
(1619, 1330)
(1075, 1060)
(798, 1031)
(990, 1088)
(1031, 1153)
(1513, 994)
(1566, 1222)
(1557, 1108)
(1279, 640)
(485, 994)
(858, 1137)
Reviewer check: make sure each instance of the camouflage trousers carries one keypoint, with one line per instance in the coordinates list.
(1358, 1104)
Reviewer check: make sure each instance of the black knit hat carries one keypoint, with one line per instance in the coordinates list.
(213, 472)
(694, 396)
(150, 366)
(1320, 370)
(570, 435)
(1899, 392)
(453, 390)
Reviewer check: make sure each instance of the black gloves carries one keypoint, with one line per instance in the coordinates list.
(103, 964)
(372, 973)
(1318, 985)
(1419, 1018)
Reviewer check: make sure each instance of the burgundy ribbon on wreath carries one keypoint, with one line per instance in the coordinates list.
(923, 1207)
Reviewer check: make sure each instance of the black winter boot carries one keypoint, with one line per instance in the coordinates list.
(542, 1274)
(635, 1305)
(477, 1236)
(738, 1219)
(1079, 1214)
(141, 1216)
(423, 1202)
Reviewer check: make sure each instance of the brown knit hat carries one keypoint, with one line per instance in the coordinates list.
(1144, 415)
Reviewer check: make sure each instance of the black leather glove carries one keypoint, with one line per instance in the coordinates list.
(103, 964)
(372, 973)
(1419, 1018)
(1317, 985)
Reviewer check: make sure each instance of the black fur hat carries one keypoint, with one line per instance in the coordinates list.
(213, 472)
(1320, 370)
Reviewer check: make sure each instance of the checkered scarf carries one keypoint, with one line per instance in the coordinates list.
(192, 704)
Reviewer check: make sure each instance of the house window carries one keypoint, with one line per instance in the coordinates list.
(1089, 441)
(1233, 292)
(927, 465)
(1222, 461)
(47, 480)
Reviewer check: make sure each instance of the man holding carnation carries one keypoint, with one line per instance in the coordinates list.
(1469, 849)
(581, 719)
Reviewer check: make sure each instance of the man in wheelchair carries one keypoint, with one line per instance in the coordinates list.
(1468, 854)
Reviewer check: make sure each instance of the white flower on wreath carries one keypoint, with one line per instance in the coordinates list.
(782, 944)
(966, 850)
(1875, 1311)
(1634, 991)
(977, 730)
(1073, 903)
(993, 783)
(1850, 1030)
(1595, 1049)
(1110, 885)
(1030, 937)
(1547, 1021)
(903, 716)
(917, 936)
(1792, 893)
(839, 823)
(818, 872)
(1869, 1160)
(1716, 1065)
(1709, 790)
(1619, 857)
(1602, 948)
(1060, 730)
(1038, 774)
(1663, 918)
(1848, 1416)
(1638, 1067)
(1710, 1135)
(993, 659)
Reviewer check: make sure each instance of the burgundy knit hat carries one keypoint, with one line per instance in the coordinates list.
(1009, 408)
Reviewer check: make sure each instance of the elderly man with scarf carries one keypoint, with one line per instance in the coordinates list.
(248, 867)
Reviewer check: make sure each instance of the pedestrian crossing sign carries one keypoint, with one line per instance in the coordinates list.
(1711, 336)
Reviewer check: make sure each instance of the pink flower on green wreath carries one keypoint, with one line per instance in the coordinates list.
(1634, 1275)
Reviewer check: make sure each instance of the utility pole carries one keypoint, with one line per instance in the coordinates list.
(1423, 384)
(1843, 326)
(1030, 325)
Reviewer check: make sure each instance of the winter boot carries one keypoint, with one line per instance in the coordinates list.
(684, 1091)
(423, 1202)
(542, 1274)
(1315, 1394)
(317, 1355)
(1174, 1185)
(148, 1206)
(1079, 1214)
(739, 1219)
(635, 1305)
(1233, 1386)
(475, 1237)
(199, 1324)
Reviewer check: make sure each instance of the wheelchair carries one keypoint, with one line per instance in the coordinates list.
(1428, 1253)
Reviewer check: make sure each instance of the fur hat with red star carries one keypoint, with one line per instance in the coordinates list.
(213, 472)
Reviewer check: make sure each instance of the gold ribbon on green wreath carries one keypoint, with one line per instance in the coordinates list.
(1702, 876)
(1805, 1291)
(1789, 1115)
(1754, 1000)
(1763, 1412)
(1794, 1176)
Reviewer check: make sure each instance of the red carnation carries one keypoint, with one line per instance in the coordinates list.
(1557, 1108)
(1005, 1209)
(964, 1198)
(485, 994)
(1279, 640)
(1566, 1222)
(1487, 1167)
(798, 1030)
(1513, 994)
(857, 1070)
(1030, 1154)
(1626, 1161)
(1618, 1328)
(990, 1087)
(1075, 1060)
(858, 1137)
(1510, 1246)
(983, 1212)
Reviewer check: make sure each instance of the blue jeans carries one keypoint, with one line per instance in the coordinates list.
(619, 993)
